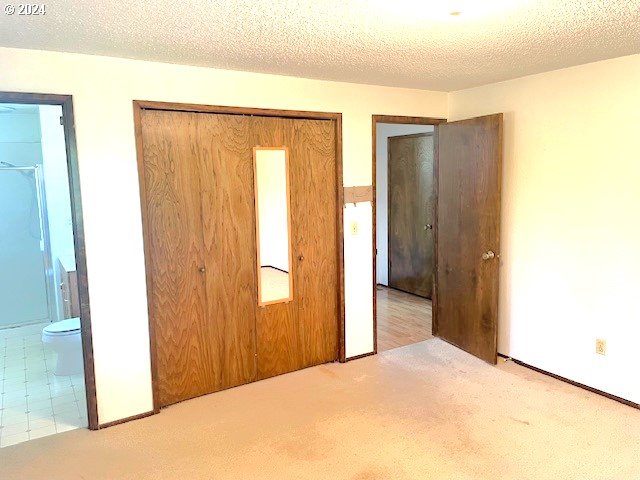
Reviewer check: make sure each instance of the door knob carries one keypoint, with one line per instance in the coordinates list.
(301, 258)
(488, 255)
(428, 226)
(202, 269)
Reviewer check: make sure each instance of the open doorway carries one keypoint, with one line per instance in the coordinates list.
(405, 196)
(44, 334)
(442, 218)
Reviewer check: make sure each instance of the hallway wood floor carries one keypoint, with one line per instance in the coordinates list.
(403, 318)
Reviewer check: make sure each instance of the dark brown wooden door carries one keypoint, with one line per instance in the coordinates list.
(468, 234)
(304, 332)
(411, 210)
(199, 216)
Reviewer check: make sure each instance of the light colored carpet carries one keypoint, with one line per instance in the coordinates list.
(427, 411)
(274, 284)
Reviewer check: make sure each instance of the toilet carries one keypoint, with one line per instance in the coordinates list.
(64, 338)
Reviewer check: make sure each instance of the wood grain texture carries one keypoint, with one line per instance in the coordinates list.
(304, 332)
(277, 336)
(314, 230)
(411, 201)
(148, 254)
(403, 318)
(469, 182)
(335, 118)
(282, 339)
(407, 120)
(224, 109)
(69, 291)
(434, 298)
(363, 193)
(174, 219)
(339, 239)
(223, 143)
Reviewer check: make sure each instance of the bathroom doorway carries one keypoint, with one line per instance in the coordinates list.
(46, 367)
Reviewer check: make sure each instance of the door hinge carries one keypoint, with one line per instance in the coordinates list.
(61, 120)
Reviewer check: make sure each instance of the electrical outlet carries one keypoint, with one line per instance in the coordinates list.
(354, 228)
(601, 346)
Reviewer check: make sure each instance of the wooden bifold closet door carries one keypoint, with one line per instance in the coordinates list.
(301, 333)
(198, 205)
(200, 219)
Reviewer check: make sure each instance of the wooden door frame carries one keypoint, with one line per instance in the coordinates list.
(68, 123)
(138, 107)
(398, 119)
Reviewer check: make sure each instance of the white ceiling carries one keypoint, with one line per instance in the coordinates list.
(410, 43)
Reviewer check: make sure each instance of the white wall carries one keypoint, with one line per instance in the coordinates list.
(56, 181)
(570, 266)
(271, 195)
(383, 132)
(103, 89)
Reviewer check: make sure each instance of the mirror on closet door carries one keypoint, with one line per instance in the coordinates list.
(273, 224)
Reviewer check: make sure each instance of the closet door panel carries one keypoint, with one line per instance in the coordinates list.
(177, 287)
(226, 179)
(314, 237)
(200, 223)
(278, 339)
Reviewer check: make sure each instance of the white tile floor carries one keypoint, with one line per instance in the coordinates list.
(35, 402)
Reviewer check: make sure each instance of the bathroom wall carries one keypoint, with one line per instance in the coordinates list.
(32, 135)
(56, 181)
(23, 296)
(20, 136)
(383, 132)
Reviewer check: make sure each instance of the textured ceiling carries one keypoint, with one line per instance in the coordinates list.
(410, 43)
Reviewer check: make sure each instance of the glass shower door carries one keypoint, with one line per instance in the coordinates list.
(23, 279)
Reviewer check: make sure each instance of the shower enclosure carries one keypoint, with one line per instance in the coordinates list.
(27, 288)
